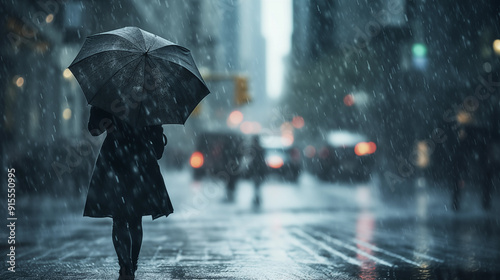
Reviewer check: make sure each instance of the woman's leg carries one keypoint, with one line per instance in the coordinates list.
(136, 236)
(122, 242)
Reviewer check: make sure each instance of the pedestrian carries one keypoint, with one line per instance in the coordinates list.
(126, 183)
(475, 148)
(257, 168)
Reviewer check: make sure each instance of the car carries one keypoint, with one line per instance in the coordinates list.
(281, 157)
(346, 156)
(217, 154)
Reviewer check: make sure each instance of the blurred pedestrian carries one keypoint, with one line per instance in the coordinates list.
(257, 168)
(126, 183)
(476, 149)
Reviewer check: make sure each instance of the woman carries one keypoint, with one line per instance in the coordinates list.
(126, 183)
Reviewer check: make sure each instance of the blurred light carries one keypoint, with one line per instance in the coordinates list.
(361, 149)
(287, 138)
(373, 147)
(349, 100)
(67, 73)
(286, 126)
(309, 151)
(463, 117)
(19, 81)
(196, 160)
(274, 162)
(419, 59)
(422, 154)
(235, 118)
(246, 127)
(49, 18)
(250, 127)
(67, 114)
(364, 148)
(298, 122)
(419, 50)
(364, 198)
(496, 46)
(420, 62)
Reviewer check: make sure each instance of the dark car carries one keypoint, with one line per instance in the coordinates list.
(346, 156)
(217, 154)
(281, 158)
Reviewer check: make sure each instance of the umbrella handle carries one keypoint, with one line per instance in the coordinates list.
(165, 141)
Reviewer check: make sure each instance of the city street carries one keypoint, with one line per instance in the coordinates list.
(309, 230)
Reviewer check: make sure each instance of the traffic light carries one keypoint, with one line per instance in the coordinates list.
(419, 55)
(419, 50)
(241, 96)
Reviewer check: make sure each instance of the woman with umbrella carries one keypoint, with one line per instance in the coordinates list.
(126, 183)
(135, 82)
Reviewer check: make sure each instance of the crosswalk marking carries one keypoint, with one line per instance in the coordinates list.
(352, 248)
(377, 249)
(299, 244)
(326, 247)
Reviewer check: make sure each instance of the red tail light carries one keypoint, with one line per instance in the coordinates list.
(196, 160)
(274, 162)
(365, 148)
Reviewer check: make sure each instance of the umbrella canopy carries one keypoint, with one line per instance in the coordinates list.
(139, 77)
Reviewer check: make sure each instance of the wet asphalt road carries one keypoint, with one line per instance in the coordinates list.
(311, 230)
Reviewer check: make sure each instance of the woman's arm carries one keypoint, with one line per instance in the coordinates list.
(99, 121)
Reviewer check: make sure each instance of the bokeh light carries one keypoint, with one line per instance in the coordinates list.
(67, 114)
(496, 46)
(349, 100)
(49, 18)
(67, 73)
(235, 118)
(19, 81)
(298, 122)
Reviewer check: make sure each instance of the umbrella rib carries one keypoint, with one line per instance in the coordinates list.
(161, 73)
(143, 82)
(195, 74)
(139, 48)
(97, 91)
(73, 64)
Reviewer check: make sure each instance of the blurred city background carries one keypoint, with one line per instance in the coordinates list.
(369, 113)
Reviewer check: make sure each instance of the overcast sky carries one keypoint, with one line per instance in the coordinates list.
(277, 29)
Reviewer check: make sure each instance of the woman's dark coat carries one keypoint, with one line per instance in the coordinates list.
(126, 179)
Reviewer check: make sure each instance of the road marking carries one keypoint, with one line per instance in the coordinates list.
(67, 255)
(352, 248)
(427, 257)
(377, 249)
(26, 253)
(301, 245)
(326, 247)
(55, 250)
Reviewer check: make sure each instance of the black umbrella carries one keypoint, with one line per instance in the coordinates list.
(139, 77)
